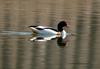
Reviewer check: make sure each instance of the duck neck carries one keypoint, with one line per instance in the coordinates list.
(60, 28)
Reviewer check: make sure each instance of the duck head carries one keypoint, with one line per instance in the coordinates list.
(61, 25)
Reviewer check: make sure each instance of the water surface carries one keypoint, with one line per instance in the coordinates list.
(80, 52)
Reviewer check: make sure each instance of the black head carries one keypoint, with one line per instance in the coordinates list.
(61, 42)
(61, 25)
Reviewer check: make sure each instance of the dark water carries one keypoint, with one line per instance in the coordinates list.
(81, 51)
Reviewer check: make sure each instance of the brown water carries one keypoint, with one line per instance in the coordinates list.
(81, 51)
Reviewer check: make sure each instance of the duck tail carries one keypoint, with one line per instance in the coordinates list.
(33, 28)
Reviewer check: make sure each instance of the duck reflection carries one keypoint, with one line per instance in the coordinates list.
(42, 38)
(60, 40)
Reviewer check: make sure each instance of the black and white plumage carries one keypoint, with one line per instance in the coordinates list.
(42, 30)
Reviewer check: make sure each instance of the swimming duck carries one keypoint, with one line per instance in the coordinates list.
(42, 30)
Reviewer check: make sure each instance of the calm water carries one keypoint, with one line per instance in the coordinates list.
(81, 51)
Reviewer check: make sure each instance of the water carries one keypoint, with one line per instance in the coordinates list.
(79, 52)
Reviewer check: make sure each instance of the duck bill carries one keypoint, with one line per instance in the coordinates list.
(67, 26)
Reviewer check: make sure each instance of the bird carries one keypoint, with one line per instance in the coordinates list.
(49, 31)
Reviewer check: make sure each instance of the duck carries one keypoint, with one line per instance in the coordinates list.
(49, 31)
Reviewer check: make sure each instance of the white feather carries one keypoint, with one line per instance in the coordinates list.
(47, 32)
(64, 34)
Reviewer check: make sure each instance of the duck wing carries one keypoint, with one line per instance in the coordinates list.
(38, 27)
(41, 28)
(35, 29)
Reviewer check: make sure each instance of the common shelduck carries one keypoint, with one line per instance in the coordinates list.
(42, 30)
